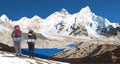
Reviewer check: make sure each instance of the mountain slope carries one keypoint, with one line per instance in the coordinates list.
(29, 23)
(62, 23)
(82, 23)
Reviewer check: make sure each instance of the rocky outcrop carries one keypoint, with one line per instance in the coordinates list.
(112, 30)
(7, 48)
(107, 57)
(86, 52)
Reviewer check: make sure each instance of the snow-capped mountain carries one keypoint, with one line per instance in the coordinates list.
(84, 22)
(29, 23)
(4, 18)
(66, 24)
(5, 23)
(2, 28)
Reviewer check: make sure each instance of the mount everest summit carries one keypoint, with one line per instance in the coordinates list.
(62, 23)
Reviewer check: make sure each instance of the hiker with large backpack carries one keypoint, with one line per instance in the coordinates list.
(17, 37)
(31, 43)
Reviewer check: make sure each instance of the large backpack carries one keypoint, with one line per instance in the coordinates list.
(17, 32)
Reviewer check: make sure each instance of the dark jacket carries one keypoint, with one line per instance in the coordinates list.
(31, 36)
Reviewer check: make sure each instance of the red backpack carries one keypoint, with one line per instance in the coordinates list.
(17, 32)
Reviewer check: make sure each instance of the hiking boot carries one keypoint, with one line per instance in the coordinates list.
(32, 57)
(16, 55)
(19, 55)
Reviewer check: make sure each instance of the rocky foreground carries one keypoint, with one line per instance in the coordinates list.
(87, 52)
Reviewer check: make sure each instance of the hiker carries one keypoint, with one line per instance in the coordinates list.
(16, 35)
(31, 43)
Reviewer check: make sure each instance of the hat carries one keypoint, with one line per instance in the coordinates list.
(31, 31)
(16, 27)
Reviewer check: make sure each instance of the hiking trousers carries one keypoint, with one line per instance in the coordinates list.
(17, 46)
(31, 46)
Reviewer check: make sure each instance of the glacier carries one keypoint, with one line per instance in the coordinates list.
(65, 24)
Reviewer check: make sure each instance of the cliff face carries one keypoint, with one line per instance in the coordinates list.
(112, 31)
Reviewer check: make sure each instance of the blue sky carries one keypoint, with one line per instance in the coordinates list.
(15, 9)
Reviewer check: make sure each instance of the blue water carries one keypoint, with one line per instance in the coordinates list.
(72, 45)
(43, 52)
